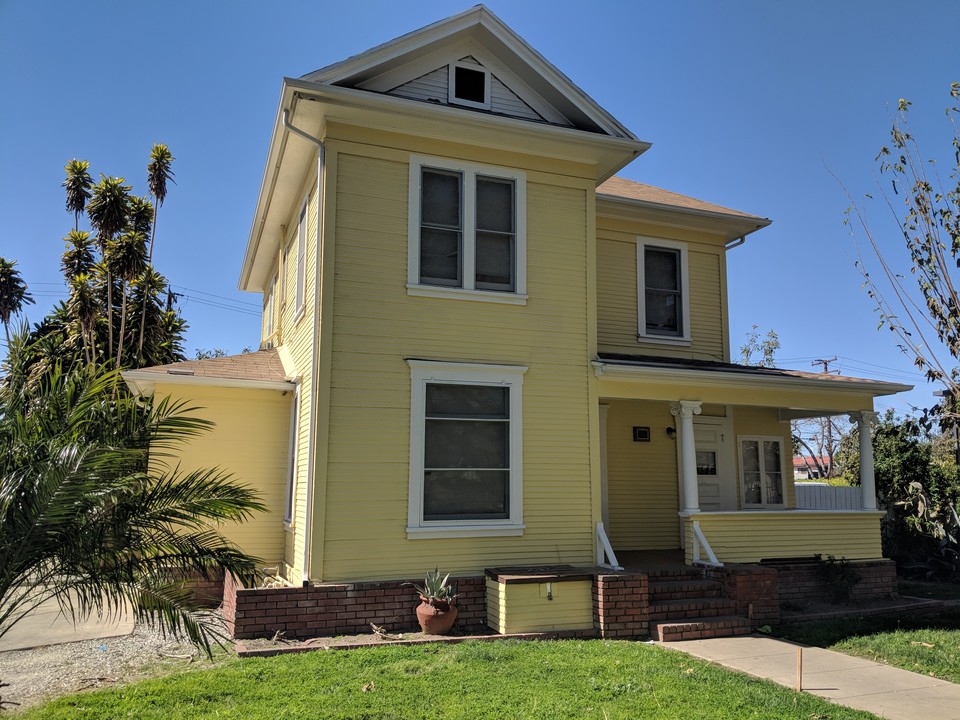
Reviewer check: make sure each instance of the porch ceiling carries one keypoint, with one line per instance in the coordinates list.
(669, 379)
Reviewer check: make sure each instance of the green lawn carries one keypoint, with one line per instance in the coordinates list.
(928, 645)
(507, 679)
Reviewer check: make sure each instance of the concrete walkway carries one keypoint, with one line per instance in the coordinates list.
(855, 682)
(46, 626)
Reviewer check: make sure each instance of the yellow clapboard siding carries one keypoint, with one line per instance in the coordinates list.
(249, 440)
(376, 326)
(752, 536)
(539, 607)
(617, 323)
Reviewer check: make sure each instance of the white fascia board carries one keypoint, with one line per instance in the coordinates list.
(723, 379)
(144, 383)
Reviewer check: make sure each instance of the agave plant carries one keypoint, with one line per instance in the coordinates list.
(436, 588)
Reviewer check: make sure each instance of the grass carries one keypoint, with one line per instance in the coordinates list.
(480, 681)
(927, 645)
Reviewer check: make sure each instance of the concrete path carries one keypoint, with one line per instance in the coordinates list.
(46, 626)
(855, 682)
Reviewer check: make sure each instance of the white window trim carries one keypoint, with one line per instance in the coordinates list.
(290, 499)
(468, 291)
(783, 477)
(268, 312)
(452, 82)
(301, 284)
(642, 335)
(423, 372)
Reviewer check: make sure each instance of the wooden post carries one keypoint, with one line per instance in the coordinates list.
(799, 669)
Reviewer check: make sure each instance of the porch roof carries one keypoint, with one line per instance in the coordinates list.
(717, 381)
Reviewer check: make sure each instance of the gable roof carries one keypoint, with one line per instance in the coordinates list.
(479, 34)
(262, 370)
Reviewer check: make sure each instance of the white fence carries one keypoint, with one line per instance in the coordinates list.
(820, 496)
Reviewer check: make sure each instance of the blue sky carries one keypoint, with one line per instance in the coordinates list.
(748, 104)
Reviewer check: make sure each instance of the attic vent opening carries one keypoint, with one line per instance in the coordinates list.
(469, 85)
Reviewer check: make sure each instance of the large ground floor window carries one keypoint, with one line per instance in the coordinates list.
(761, 471)
(465, 449)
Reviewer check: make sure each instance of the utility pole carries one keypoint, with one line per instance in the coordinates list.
(829, 429)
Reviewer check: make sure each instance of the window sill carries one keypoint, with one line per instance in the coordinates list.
(451, 293)
(661, 340)
(465, 531)
(298, 315)
(288, 526)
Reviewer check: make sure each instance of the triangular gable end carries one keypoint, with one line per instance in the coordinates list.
(473, 60)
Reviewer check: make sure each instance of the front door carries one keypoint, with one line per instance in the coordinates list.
(716, 473)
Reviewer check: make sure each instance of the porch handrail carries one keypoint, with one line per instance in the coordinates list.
(605, 550)
(700, 541)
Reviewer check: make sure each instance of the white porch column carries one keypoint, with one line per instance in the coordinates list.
(684, 412)
(868, 485)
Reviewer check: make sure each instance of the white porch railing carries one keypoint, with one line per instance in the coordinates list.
(606, 557)
(820, 496)
(700, 543)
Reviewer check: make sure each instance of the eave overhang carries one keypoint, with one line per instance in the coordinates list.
(690, 380)
(730, 225)
(144, 382)
(311, 106)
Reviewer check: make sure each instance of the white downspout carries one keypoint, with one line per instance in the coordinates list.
(314, 390)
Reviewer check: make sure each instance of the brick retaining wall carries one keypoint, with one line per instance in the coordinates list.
(621, 605)
(755, 590)
(339, 608)
(808, 581)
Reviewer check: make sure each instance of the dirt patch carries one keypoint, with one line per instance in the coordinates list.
(40, 674)
(814, 610)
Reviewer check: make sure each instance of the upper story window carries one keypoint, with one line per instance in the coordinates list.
(469, 85)
(467, 231)
(301, 258)
(465, 450)
(663, 291)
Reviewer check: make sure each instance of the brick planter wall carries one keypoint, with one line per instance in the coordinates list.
(755, 590)
(621, 605)
(339, 608)
(805, 582)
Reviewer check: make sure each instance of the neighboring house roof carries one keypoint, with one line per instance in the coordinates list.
(262, 369)
(805, 461)
(612, 363)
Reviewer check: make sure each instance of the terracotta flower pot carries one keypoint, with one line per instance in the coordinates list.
(437, 617)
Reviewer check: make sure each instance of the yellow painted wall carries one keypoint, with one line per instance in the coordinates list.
(756, 535)
(376, 325)
(539, 607)
(249, 440)
(642, 484)
(617, 324)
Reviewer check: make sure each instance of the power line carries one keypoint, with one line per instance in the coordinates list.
(221, 297)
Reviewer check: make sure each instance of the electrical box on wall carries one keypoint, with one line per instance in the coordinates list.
(641, 434)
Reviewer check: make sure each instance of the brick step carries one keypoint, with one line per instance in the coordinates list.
(691, 607)
(682, 589)
(700, 628)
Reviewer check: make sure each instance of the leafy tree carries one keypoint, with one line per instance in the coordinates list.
(88, 519)
(764, 348)
(13, 293)
(923, 314)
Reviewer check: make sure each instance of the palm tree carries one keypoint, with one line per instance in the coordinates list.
(158, 173)
(126, 259)
(86, 520)
(77, 185)
(78, 258)
(82, 306)
(107, 211)
(13, 293)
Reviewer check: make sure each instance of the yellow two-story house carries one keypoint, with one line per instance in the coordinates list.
(481, 349)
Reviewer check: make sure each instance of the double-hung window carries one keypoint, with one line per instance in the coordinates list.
(465, 450)
(761, 471)
(467, 231)
(663, 307)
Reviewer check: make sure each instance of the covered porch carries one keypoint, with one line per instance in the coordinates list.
(696, 456)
